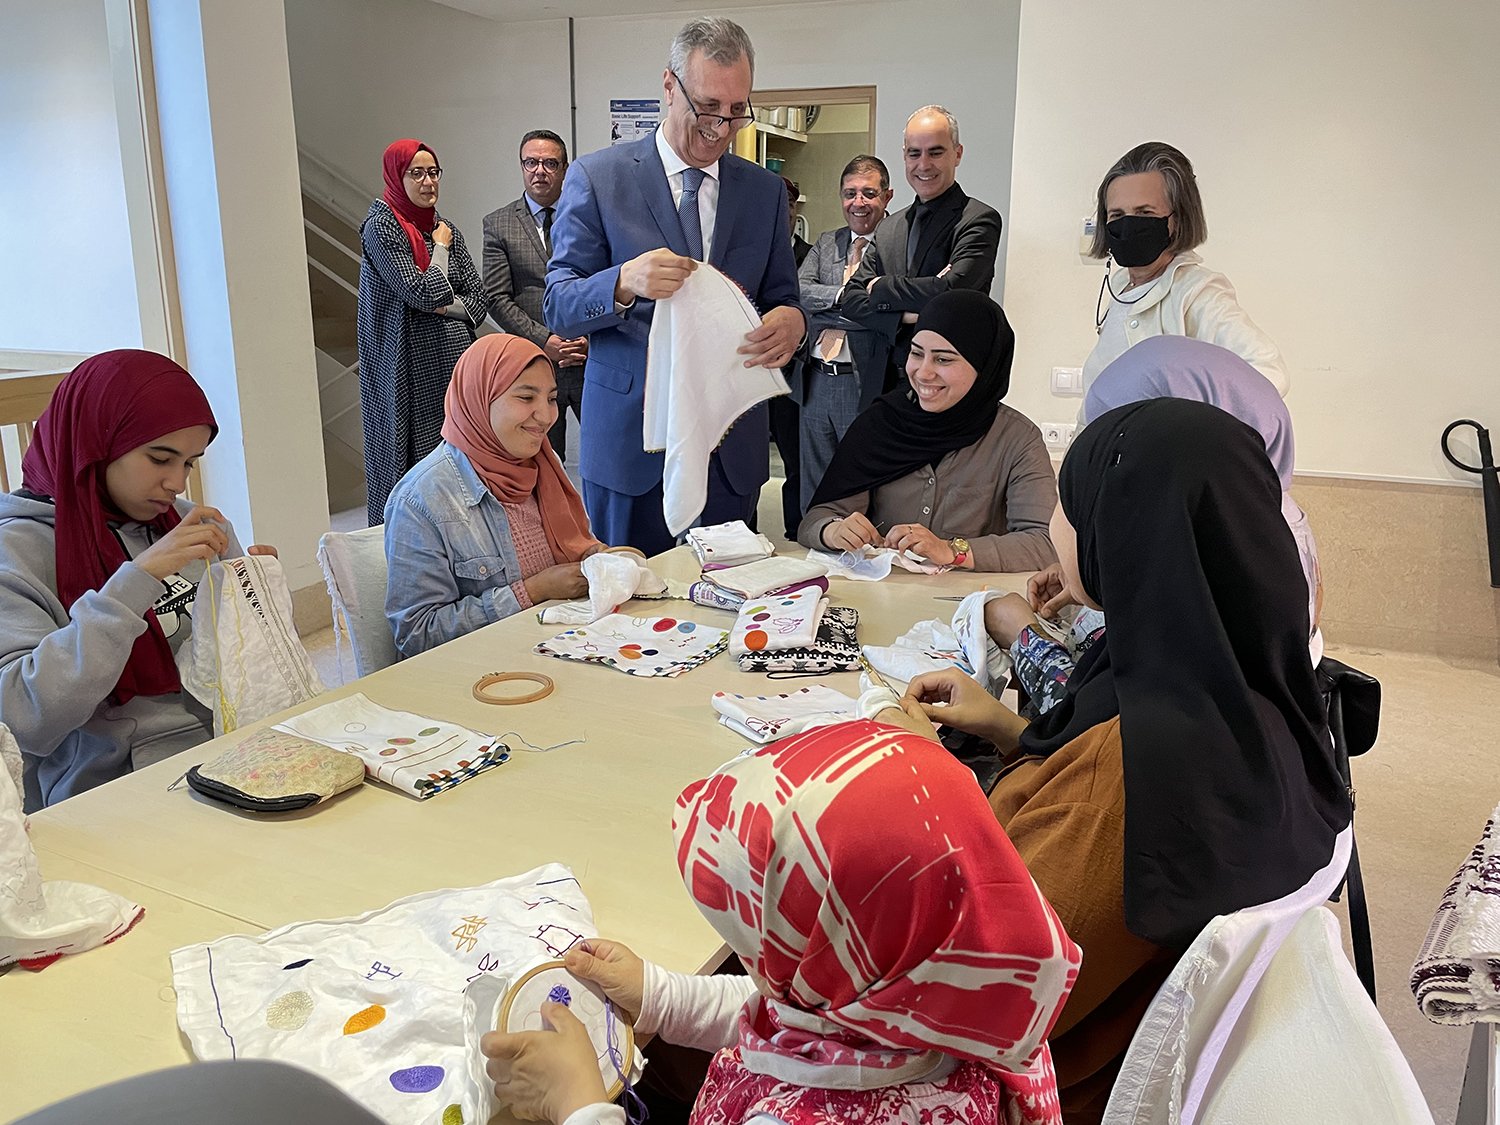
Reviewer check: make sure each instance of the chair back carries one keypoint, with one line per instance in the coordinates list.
(354, 567)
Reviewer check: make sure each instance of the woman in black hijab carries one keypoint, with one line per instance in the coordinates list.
(1187, 772)
(940, 467)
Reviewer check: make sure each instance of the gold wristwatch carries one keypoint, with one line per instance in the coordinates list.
(960, 547)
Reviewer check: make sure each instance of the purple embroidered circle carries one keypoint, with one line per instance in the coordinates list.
(560, 995)
(417, 1079)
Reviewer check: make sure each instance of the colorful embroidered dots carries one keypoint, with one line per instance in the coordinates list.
(756, 639)
(289, 1012)
(364, 1020)
(559, 994)
(665, 625)
(418, 1080)
(453, 1115)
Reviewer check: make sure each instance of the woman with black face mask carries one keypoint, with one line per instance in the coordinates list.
(1149, 220)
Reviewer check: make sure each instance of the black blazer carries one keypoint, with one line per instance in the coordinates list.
(962, 238)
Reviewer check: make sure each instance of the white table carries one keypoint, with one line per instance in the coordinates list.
(603, 808)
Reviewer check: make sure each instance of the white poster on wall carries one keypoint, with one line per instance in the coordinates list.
(630, 119)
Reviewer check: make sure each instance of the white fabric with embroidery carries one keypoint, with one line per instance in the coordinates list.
(756, 579)
(377, 1003)
(728, 544)
(871, 564)
(614, 578)
(42, 921)
(964, 643)
(779, 621)
(697, 384)
(765, 718)
(244, 659)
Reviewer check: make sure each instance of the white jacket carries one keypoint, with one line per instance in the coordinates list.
(1188, 300)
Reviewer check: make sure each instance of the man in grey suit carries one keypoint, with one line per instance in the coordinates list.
(517, 244)
(944, 240)
(829, 387)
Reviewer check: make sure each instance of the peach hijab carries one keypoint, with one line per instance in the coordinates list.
(483, 373)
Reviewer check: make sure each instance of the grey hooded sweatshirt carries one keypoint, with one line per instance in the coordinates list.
(58, 668)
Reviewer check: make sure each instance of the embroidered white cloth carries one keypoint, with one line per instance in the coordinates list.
(376, 1004)
(779, 621)
(964, 643)
(1456, 978)
(756, 579)
(39, 922)
(614, 578)
(697, 384)
(412, 753)
(728, 544)
(871, 564)
(639, 646)
(244, 659)
(765, 718)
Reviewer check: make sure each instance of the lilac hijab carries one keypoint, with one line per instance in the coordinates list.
(1182, 367)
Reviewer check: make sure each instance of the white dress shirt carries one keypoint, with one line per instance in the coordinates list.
(708, 191)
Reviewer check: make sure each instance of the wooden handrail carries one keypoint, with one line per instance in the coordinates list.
(24, 395)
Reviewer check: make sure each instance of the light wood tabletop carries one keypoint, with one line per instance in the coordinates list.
(603, 806)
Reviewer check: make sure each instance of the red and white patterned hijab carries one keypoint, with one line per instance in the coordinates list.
(862, 878)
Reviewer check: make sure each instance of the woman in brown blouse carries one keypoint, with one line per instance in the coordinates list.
(941, 467)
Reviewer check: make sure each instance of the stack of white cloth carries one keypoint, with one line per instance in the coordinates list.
(728, 544)
(963, 643)
(614, 578)
(779, 622)
(765, 576)
(1456, 978)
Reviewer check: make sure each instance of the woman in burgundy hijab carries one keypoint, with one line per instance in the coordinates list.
(99, 565)
(420, 301)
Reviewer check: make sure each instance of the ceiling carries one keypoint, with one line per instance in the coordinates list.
(517, 10)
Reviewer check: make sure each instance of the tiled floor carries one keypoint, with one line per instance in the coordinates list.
(1424, 793)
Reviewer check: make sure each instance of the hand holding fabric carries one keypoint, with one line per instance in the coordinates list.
(775, 342)
(851, 533)
(545, 1075)
(615, 968)
(954, 699)
(199, 536)
(1047, 592)
(920, 540)
(565, 580)
(655, 275)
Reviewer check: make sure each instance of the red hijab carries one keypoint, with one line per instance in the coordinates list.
(482, 374)
(110, 404)
(413, 219)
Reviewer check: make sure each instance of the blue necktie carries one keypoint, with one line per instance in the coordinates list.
(687, 211)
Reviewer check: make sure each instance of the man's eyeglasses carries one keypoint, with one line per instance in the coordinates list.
(716, 120)
(532, 163)
(420, 174)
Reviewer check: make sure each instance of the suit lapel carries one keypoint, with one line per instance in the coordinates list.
(893, 253)
(731, 189)
(651, 178)
(528, 223)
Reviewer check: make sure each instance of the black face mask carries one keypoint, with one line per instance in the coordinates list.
(1137, 240)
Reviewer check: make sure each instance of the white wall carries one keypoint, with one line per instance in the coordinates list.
(968, 67)
(362, 77)
(1348, 161)
(69, 281)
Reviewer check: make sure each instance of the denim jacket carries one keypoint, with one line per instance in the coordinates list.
(449, 554)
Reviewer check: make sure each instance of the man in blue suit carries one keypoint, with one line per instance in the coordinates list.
(633, 221)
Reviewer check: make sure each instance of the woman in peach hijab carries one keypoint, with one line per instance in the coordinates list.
(487, 524)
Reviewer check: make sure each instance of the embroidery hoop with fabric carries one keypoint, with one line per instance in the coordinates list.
(611, 1035)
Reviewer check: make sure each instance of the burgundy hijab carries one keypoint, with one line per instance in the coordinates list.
(107, 406)
(415, 221)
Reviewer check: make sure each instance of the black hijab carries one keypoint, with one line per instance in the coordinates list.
(1231, 793)
(894, 435)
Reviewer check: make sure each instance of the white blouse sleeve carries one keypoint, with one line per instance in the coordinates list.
(692, 1011)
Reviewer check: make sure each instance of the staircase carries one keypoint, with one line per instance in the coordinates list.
(332, 209)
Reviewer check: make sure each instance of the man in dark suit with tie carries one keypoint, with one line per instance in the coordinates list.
(517, 243)
(830, 388)
(633, 221)
(944, 240)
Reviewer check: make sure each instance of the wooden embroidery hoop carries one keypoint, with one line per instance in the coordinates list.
(484, 682)
(623, 1028)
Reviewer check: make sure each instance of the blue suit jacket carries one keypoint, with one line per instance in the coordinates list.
(615, 205)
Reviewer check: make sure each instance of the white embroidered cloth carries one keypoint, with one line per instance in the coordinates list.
(930, 646)
(614, 578)
(1456, 978)
(639, 646)
(728, 544)
(377, 1003)
(40, 922)
(756, 579)
(765, 718)
(697, 384)
(778, 622)
(871, 564)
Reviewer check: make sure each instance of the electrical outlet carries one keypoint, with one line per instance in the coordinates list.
(1067, 381)
(1058, 435)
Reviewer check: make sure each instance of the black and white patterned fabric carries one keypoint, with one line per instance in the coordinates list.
(406, 350)
(835, 650)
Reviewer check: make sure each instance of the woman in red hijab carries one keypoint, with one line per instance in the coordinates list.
(99, 565)
(901, 974)
(420, 300)
(487, 524)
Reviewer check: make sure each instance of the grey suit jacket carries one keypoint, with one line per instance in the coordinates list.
(821, 277)
(515, 271)
(957, 251)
